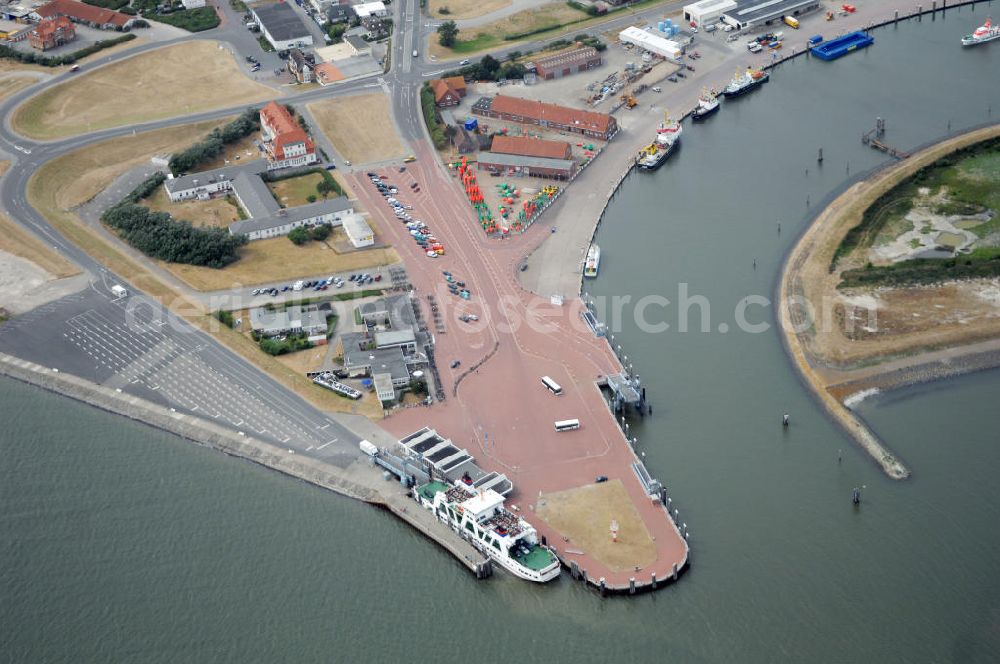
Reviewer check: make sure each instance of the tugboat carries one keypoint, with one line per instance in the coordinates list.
(746, 82)
(708, 104)
(984, 33)
(668, 136)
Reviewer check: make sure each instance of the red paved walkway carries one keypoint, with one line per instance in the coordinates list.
(502, 413)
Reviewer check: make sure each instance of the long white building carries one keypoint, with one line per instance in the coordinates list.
(649, 42)
(707, 11)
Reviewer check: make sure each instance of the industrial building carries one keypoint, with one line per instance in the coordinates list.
(293, 320)
(281, 26)
(755, 13)
(562, 118)
(647, 41)
(527, 146)
(564, 64)
(512, 164)
(707, 11)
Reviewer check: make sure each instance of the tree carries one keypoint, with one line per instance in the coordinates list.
(326, 187)
(320, 232)
(299, 236)
(447, 33)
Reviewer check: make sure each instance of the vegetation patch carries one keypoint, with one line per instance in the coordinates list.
(192, 20)
(159, 235)
(982, 263)
(212, 145)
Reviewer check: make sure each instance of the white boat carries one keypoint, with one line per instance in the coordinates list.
(668, 136)
(708, 104)
(593, 262)
(984, 33)
(480, 518)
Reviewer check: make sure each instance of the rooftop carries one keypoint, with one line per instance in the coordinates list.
(530, 147)
(83, 12)
(752, 11)
(573, 57)
(254, 195)
(547, 113)
(281, 21)
(290, 215)
(514, 160)
(226, 173)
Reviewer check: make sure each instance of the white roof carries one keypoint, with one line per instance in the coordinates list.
(483, 502)
(649, 41)
(356, 227)
(369, 8)
(709, 5)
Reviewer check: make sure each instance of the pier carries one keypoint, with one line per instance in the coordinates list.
(872, 138)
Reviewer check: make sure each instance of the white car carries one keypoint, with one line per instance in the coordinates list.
(463, 63)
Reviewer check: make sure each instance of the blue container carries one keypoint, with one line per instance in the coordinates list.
(661, 26)
(471, 124)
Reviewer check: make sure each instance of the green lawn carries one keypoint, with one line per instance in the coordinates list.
(294, 192)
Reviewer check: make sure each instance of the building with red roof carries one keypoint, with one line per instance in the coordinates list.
(527, 146)
(79, 12)
(52, 32)
(552, 116)
(448, 91)
(286, 143)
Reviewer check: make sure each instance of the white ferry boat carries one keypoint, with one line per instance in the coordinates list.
(593, 262)
(984, 33)
(480, 518)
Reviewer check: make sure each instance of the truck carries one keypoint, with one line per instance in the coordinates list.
(368, 448)
(119, 291)
(792, 22)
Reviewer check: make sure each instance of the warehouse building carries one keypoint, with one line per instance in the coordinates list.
(564, 64)
(707, 11)
(647, 41)
(527, 146)
(281, 26)
(358, 231)
(561, 118)
(755, 13)
(512, 164)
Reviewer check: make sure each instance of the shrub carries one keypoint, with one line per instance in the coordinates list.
(192, 20)
(299, 235)
(320, 232)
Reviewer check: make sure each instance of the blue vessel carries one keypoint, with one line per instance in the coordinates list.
(840, 46)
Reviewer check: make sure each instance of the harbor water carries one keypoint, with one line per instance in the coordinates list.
(121, 543)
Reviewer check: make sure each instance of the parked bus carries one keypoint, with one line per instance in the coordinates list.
(567, 425)
(551, 385)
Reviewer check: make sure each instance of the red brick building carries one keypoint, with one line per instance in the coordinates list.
(79, 12)
(564, 64)
(562, 118)
(531, 147)
(448, 91)
(285, 142)
(52, 32)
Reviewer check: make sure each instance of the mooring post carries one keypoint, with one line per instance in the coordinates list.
(896, 18)
(574, 570)
(674, 575)
(631, 585)
(934, 7)
(653, 580)
(920, 12)
(603, 587)
(819, 157)
(583, 576)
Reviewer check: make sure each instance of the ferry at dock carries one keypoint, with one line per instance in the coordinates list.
(479, 516)
(708, 104)
(668, 136)
(593, 262)
(985, 33)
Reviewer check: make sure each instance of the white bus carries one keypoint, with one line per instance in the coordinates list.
(567, 425)
(551, 385)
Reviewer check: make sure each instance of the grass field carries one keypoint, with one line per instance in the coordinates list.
(277, 259)
(150, 86)
(11, 83)
(294, 192)
(459, 9)
(360, 127)
(546, 18)
(584, 516)
(218, 212)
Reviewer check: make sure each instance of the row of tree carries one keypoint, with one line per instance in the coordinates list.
(159, 235)
(212, 145)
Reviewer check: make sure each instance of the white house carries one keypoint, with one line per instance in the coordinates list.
(707, 11)
(330, 211)
(193, 4)
(358, 231)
